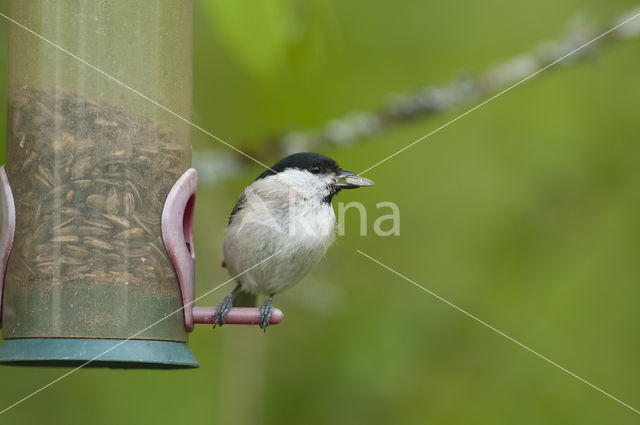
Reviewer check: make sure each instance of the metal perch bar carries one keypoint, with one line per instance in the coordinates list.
(236, 316)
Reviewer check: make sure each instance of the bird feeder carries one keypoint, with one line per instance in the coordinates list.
(89, 166)
(96, 252)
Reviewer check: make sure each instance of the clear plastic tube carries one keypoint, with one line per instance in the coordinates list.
(90, 163)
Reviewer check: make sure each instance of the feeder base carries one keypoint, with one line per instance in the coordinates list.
(118, 353)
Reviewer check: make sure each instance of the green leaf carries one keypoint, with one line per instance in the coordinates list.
(257, 33)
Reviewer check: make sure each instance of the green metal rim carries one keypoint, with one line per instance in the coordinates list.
(114, 353)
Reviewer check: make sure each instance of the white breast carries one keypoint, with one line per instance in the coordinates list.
(283, 214)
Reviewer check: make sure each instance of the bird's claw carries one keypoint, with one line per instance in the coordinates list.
(222, 310)
(265, 314)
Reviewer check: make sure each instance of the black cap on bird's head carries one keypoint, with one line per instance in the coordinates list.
(317, 164)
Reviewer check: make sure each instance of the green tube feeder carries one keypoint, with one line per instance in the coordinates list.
(89, 167)
(96, 251)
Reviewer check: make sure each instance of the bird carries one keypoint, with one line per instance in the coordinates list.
(281, 226)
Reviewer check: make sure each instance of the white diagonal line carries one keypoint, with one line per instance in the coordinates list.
(95, 68)
(501, 93)
(499, 332)
(131, 337)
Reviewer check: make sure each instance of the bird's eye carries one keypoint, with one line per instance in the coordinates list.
(315, 169)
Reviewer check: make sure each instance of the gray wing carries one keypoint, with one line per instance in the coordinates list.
(242, 201)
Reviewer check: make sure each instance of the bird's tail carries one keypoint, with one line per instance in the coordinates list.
(244, 299)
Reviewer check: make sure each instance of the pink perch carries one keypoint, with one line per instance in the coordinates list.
(236, 316)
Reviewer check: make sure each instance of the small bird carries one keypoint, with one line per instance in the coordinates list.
(285, 214)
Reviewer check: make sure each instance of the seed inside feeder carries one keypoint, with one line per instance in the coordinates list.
(89, 180)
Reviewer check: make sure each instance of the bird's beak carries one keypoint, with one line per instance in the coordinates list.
(352, 180)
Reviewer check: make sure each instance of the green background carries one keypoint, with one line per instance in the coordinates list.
(524, 213)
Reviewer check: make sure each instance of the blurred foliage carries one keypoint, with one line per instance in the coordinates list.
(524, 213)
(285, 29)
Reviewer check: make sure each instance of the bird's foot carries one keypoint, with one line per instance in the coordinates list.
(265, 313)
(222, 310)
